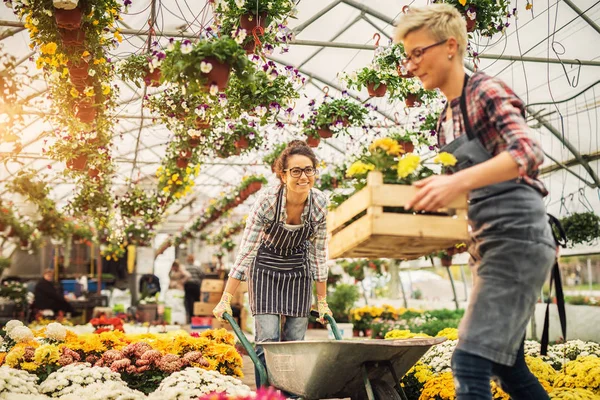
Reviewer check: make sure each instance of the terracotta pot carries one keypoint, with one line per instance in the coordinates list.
(2, 226)
(408, 147)
(248, 25)
(471, 24)
(356, 332)
(182, 162)
(78, 72)
(86, 113)
(241, 143)
(152, 79)
(70, 38)
(254, 187)
(93, 173)
(250, 47)
(446, 261)
(411, 100)
(379, 92)
(324, 133)
(147, 312)
(219, 74)
(313, 141)
(68, 19)
(402, 75)
(78, 163)
(194, 142)
(65, 4)
(185, 154)
(201, 123)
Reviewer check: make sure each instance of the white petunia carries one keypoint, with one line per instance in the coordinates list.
(214, 89)
(205, 67)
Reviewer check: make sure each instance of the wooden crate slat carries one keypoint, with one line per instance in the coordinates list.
(428, 226)
(350, 237)
(397, 196)
(348, 209)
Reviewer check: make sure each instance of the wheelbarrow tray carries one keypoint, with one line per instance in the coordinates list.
(333, 368)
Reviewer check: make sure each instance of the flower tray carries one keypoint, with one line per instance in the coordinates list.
(379, 233)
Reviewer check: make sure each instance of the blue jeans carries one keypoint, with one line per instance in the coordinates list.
(472, 376)
(268, 330)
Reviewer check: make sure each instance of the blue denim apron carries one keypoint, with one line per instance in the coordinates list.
(512, 251)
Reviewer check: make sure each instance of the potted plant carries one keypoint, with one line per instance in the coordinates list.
(205, 65)
(377, 81)
(144, 67)
(412, 92)
(581, 228)
(487, 17)
(270, 158)
(244, 136)
(337, 115)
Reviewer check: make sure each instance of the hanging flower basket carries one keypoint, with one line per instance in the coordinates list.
(313, 141)
(201, 123)
(182, 162)
(86, 112)
(152, 79)
(250, 47)
(250, 21)
(254, 187)
(93, 173)
(65, 4)
(70, 38)
(403, 73)
(324, 133)
(194, 142)
(68, 19)
(78, 72)
(379, 92)
(241, 143)
(411, 100)
(408, 147)
(446, 261)
(219, 74)
(78, 163)
(471, 24)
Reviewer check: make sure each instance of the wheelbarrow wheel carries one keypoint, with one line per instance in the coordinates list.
(384, 391)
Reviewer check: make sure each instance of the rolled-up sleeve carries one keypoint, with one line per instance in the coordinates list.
(250, 240)
(318, 246)
(506, 114)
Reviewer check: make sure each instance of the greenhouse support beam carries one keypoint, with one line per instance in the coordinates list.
(369, 10)
(370, 22)
(570, 163)
(10, 32)
(567, 144)
(560, 165)
(315, 17)
(582, 15)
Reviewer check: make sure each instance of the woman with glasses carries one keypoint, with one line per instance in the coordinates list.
(484, 127)
(283, 250)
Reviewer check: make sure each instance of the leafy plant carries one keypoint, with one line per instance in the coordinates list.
(373, 75)
(581, 228)
(489, 16)
(341, 300)
(340, 113)
(270, 158)
(136, 67)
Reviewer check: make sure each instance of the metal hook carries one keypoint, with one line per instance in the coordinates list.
(588, 206)
(378, 36)
(326, 90)
(405, 9)
(396, 118)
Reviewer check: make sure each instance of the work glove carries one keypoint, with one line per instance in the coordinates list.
(323, 309)
(223, 307)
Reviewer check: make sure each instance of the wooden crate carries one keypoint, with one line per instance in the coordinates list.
(212, 285)
(379, 234)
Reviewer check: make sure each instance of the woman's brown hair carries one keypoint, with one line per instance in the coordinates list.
(295, 147)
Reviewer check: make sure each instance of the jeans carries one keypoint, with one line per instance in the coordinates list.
(268, 330)
(472, 376)
(192, 295)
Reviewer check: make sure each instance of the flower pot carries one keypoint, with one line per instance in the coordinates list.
(446, 261)
(78, 163)
(411, 100)
(403, 74)
(70, 38)
(254, 187)
(185, 154)
(147, 312)
(201, 123)
(471, 23)
(219, 74)
(313, 141)
(86, 113)
(65, 4)
(152, 79)
(324, 132)
(78, 72)
(182, 162)
(356, 332)
(93, 173)
(68, 19)
(379, 92)
(194, 142)
(250, 47)
(242, 143)
(408, 147)
(249, 25)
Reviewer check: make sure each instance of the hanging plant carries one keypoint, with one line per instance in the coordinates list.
(487, 17)
(581, 228)
(337, 115)
(270, 158)
(138, 67)
(377, 81)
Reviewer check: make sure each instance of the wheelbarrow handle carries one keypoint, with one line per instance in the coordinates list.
(331, 321)
(262, 372)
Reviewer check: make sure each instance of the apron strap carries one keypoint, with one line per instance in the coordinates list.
(560, 240)
(278, 207)
(463, 110)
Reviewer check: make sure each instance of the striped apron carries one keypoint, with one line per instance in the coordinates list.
(279, 280)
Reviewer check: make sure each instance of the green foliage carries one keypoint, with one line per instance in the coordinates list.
(340, 111)
(581, 228)
(489, 14)
(341, 300)
(270, 158)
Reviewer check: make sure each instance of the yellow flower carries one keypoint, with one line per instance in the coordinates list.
(448, 333)
(118, 36)
(48, 48)
(29, 366)
(65, 72)
(85, 54)
(359, 168)
(174, 177)
(95, 22)
(408, 164)
(74, 92)
(446, 159)
(166, 189)
(528, 6)
(39, 63)
(389, 145)
(89, 91)
(46, 354)
(100, 60)
(462, 2)
(15, 356)
(105, 88)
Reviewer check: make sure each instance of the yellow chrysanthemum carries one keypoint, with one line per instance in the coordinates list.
(46, 354)
(359, 168)
(448, 333)
(446, 159)
(572, 394)
(408, 164)
(439, 387)
(48, 48)
(15, 356)
(389, 145)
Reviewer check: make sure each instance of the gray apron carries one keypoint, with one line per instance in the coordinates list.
(280, 280)
(512, 251)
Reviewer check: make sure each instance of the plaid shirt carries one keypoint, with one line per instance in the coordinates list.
(497, 119)
(263, 212)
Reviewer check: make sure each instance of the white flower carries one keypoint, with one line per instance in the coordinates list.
(205, 67)
(240, 3)
(186, 47)
(260, 110)
(21, 334)
(471, 15)
(214, 89)
(47, 12)
(10, 325)
(56, 331)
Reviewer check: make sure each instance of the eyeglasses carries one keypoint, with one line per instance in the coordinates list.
(297, 172)
(417, 54)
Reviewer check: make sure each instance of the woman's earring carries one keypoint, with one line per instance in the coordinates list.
(449, 56)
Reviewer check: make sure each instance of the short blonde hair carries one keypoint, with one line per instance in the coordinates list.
(442, 20)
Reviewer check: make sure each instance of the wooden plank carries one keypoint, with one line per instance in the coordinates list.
(350, 237)
(424, 226)
(348, 209)
(397, 196)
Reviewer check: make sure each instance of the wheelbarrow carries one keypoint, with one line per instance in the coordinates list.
(324, 369)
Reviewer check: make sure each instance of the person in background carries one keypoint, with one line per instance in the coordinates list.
(47, 297)
(192, 285)
(283, 251)
(484, 127)
(178, 275)
(149, 285)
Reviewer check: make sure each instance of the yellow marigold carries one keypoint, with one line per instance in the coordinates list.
(439, 387)
(583, 373)
(29, 366)
(446, 159)
(408, 164)
(572, 394)
(541, 369)
(388, 145)
(421, 371)
(2, 357)
(15, 356)
(359, 168)
(48, 48)
(448, 333)
(46, 354)
(74, 92)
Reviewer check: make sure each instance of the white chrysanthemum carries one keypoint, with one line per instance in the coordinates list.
(10, 325)
(21, 334)
(13, 381)
(61, 382)
(56, 331)
(105, 391)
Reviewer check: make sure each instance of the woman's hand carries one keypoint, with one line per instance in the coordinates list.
(323, 309)
(223, 307)
(435, 192)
